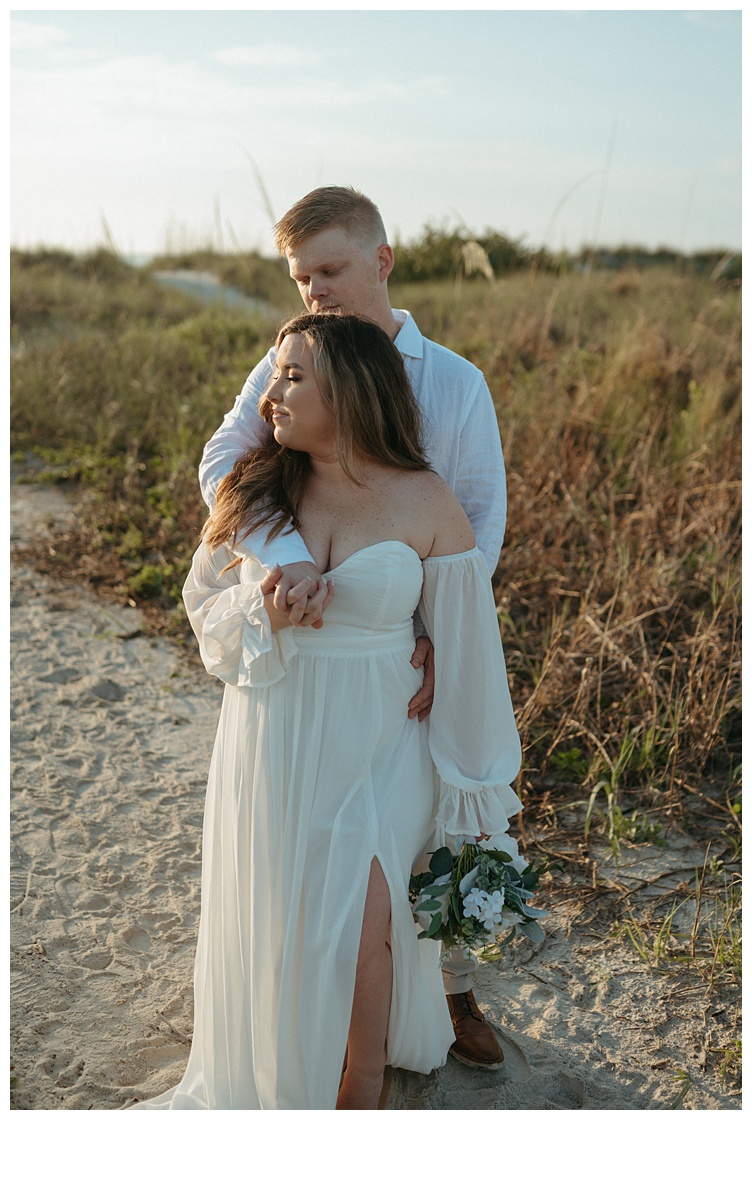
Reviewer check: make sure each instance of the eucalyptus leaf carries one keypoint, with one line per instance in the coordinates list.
(532, 930)
(499, 855)
(435, 925)
(535, 913)
(427, 906)
(441, 861)
(436, 889)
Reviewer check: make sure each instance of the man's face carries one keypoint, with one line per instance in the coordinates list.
(334, 272)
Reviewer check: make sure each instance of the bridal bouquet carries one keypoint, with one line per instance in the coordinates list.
(473, 897)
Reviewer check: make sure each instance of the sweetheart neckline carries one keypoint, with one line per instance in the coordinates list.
(372, 546)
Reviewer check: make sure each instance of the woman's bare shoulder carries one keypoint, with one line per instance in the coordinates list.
(447, 522)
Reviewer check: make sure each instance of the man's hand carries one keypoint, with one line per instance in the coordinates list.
(300, 592)
(420, 705)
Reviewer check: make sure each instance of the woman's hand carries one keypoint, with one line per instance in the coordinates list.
(300, 592)
(295, 608)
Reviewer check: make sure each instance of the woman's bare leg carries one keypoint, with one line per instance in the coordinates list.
(366, 1043)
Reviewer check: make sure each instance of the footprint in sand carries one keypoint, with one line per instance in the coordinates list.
(163, 1051)
(136, 940)
(64, 1070)
(98, 959)
(82, 900)
(60, 675)
(71, 1075)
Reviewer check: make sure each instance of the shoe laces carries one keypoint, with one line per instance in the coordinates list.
(464, 1006)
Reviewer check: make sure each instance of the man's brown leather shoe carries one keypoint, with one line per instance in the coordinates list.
(475, 1044)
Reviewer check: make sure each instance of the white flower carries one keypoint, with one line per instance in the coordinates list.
(491, 919)
(488, 907)
(484, 908)
(474, 904)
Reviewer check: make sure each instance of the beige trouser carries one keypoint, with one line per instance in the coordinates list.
(458, 972)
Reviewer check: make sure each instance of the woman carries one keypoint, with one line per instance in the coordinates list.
(321, 792)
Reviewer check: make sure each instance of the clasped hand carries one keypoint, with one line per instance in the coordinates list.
(298, 595)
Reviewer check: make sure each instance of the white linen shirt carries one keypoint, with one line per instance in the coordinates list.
(460, 439)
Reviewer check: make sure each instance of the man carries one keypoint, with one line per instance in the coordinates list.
(338, 255)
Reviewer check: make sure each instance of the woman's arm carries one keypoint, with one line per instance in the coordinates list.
(231, 621)
(472, 734)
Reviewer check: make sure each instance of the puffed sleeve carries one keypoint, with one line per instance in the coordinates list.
(472, 733)
(229, 620)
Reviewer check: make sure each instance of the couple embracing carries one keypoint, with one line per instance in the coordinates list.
(342, 590)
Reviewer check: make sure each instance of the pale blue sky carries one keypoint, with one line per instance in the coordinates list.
(493, 116)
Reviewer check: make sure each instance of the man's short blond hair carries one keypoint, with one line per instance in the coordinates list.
(329, 208)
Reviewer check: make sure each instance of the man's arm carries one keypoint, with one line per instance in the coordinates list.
(480, 484)
(242, 430)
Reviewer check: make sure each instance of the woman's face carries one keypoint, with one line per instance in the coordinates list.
(300, 417)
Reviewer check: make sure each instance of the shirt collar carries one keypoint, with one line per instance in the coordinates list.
(409, 340)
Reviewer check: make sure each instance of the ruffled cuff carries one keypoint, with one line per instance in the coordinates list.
(265, 661)
(465, 815)
(238, 644)
(264, 656)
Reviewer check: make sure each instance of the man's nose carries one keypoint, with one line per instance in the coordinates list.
(317, 286)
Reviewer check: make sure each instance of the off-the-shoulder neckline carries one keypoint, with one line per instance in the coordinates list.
(451, 557)
(411, 549)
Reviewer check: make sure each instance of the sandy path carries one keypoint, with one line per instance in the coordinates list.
(111, 736)
(111, 739)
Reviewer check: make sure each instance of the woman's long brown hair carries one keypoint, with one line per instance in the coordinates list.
(362, 380)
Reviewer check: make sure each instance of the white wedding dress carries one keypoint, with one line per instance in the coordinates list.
(317, 770)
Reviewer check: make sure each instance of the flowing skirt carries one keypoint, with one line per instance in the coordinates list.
(311, 779)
